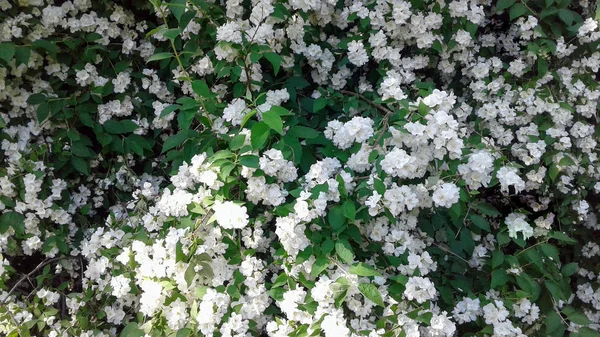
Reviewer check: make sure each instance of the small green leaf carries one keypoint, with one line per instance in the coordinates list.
(576, 316)
(497, 259)
(275, 60)
(177, 8)
(480, 222)
(174, 141)
(560, 236)
(362, 269)
(185, 332)
(371, 292)
(302, 132)
(487, 209)
(42, 112)
(201, 88)
(554, 325)
(569, 269)
(272, 119)
(50, 47)
(504, 4)
(320, 264)
(335, 217)
(169, 109)
(349, 210)
(7, 51)
(171, 34)
(249, 161)
(22, 55)
(259, 134)
(80, 165)
(586, 331)
(499, 278)
(344, 251)
(14, 220)
(566, 161)
(567, 16)
(160, 56)
(319, 104)
(132, 330)
(517, 10)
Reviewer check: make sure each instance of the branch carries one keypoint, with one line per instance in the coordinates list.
(26, 276)
(380, 107)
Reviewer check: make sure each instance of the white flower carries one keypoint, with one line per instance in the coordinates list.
(229, 215)
(420, 289)
(446, 195)
(516, 223)
(357, 53)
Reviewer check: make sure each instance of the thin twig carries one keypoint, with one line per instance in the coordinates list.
(380, 107)
(450, 252)
(26, 276)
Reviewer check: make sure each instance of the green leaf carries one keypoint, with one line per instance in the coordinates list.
(320, 264)
(50, 47)
(81, 165)
(499, 278)
(275, 60)
(554, 325)
(336, 219)
(487, 209)
(36, 99)
(201, 88)
(585, 331)
(550, 251)
(362, 269)
(371, 292)
(566, 161)
(567, 16)
(349, 210)
(169, 109)
(7, 51)
(517, 10)
(569, 269)
(554, 289)
(319, 104)
(249, 161)
(553, 172)
(159, 56)
(177, 8)
(185, 332)
(576, 316)
(14, 220)
(272, 119)
(119, 127)
(344, 251)
(132, 330)
(480, 222)
(42, 112)
(237, 142)
(497, 259)
(298, 131)
(259, 134)
(174, 141)
(560, 236)
(504, 4)
(171, 34)
(22, 55)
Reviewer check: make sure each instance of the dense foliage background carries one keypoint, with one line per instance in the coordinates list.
(299, 168)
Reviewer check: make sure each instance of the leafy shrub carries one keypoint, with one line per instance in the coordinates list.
(299, 168)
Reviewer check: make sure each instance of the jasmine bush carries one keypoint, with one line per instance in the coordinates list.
(299, 168)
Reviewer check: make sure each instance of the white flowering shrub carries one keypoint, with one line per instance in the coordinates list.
(299, 168)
